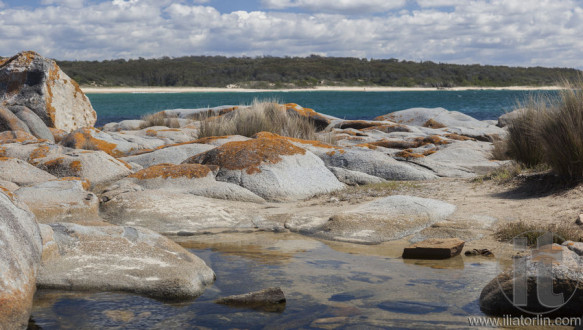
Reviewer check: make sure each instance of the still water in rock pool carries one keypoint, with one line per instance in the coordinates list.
(327, 285)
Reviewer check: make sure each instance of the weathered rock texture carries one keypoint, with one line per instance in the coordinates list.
(130, 259)
(37, 83)
(20, 258)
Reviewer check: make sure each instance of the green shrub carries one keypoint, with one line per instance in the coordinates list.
(261, 116)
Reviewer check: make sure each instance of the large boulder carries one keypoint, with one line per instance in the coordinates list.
(384, 219)
(96, 166)
(30, 80)
(171, 212)
(550, 267)
(271, 167)
(19, 262)
(193, 179)
(130, 259)
(63, 200)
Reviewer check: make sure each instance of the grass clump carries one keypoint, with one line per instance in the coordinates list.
(261, 116)
(502, 174)
(549, 130)
(160, 119)
(531, 231)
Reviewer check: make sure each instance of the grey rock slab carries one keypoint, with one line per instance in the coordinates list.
(130, 259)
(36, 125)
(19, 262)
(22, 173)
(384, 219)
(169, 155)
(353, 178)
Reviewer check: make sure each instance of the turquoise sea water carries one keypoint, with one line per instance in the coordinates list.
(480, 104)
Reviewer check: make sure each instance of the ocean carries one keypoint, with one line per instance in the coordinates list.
(480, 104)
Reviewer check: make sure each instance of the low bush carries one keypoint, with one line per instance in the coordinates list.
(160, 119)
(530, 231)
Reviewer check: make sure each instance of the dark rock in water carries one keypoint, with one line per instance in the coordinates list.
(479, 252)
(268, 300)
(551, 285)
(434, 248)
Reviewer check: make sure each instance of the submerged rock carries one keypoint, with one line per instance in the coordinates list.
(269, 300)
(552, 285)
(19, 262)
(434, 248)
(130, 259)
(30, 80)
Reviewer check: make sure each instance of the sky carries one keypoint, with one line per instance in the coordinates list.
(497, 32)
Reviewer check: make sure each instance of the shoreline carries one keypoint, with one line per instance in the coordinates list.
(139, 90)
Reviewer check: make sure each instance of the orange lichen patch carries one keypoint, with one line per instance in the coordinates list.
(319, 120)
(83, 139)
(429, 152)
(2, 151)
(58, 134)
(126, 164)
(51, 80)
(151, 132)
(7, 193)
(458, 137)
(40, 152)
(76, 166)
(388, 128)
(401, 144)
(351, 133)
(248, 155)
(3, 61)
(433, 139)
(209, 139)
(408, 153)
(433, 124)
(15, 137)
(84, 182)
(173, 171)
(3, 159)
(170, 130)
(314, 143)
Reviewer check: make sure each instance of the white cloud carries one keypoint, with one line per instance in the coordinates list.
(337, 6)
(510, 32)
(440, 3)
(66, 3)
(1, 4)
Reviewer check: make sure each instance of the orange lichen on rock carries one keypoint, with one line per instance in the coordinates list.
(76, 166)
(314, 143)
(173, 171)
(83, 139)
(408, 153)
(51, 79)
(458, 137)
(404, 144)
(40, 152)
(151, 132)
(58, 134)
(54, 162)
(248, 155)
(433, 139)
(84, 182)
(16, 137)
(429, 152)
(357, 124)
(7, 193)
(433, 124)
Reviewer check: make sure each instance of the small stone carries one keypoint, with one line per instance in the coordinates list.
(268, 300)
(434, 248)
(479, 252)
(579, 220)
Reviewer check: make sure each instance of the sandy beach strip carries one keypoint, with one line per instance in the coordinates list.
(137, 90)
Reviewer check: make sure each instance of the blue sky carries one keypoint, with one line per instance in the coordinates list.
(505, 32)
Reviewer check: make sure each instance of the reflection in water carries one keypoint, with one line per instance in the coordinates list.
(327, 285)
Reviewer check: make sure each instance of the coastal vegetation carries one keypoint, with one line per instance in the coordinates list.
(531, 231)
(549, 130)
(303, 72)
(261, 116)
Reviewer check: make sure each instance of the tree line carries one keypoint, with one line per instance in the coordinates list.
(296, 72)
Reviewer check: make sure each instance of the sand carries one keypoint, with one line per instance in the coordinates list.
(109, 90)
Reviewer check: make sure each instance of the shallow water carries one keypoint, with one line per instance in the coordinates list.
(327, 285)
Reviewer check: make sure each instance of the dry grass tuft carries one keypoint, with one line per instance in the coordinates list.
(550, 131)
(261, 116)
(160, 119)
(562, 232)
(356, 194)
